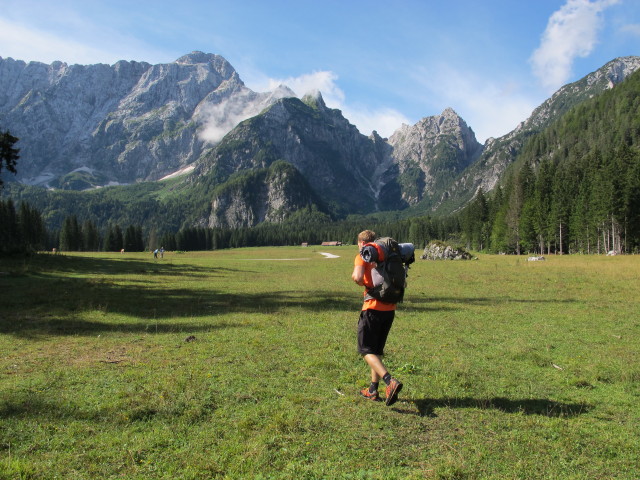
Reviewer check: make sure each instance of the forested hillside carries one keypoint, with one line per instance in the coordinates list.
(575, 188)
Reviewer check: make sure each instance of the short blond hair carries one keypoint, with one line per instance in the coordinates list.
(366, 236)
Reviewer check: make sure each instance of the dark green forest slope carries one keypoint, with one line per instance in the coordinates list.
(575, 187)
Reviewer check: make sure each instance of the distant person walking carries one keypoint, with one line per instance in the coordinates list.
(376, 318)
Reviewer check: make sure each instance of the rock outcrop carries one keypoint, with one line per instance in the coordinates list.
(441, 251)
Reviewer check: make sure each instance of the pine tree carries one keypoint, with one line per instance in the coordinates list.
(90, 237)
(131, 241)
(32, 230)
(70, 235)
(113, 240)
(10, 241)
(8, 154)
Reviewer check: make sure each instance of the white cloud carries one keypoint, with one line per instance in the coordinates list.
(93, 44)
(490, 108)
(23, 43)
(221, 118)
(571, 32)
(384, 120)
(633, 29)
(323, 81)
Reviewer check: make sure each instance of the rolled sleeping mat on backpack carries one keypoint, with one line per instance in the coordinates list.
(407, 252)
(369, 253)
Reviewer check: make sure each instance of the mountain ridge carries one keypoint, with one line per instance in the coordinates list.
(131, 121)
(500, 152)
(182, 117)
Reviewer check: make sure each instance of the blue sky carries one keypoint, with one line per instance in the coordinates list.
(383, 63)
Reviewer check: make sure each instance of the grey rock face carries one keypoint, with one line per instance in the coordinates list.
(340, 164)
(431, 151)
(265, 195)
(123, 123)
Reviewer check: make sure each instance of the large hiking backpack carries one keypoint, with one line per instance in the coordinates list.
(389, 276)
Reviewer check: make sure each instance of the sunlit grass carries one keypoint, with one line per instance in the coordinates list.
(242, 364)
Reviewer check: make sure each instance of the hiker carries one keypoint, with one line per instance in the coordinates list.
(376, 318)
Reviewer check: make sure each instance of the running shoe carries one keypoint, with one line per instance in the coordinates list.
(370, 395)
(392, 391)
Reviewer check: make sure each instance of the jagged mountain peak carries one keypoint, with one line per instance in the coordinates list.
(124, 123)
(196, 57)
(447, 123)
(314, 99)
(432, 125)
(429, 152)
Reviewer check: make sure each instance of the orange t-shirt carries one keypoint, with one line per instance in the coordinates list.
(372, 304)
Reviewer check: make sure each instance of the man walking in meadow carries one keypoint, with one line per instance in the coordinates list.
(376, 318)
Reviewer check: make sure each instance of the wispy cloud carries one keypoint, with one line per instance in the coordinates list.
(492, 107)
(384, 120)
(219, 119)
(23, 43)
(78, 41)
(571, 32)
(322, 81)
(633, 29)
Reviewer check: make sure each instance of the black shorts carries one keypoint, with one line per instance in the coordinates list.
(373, 330)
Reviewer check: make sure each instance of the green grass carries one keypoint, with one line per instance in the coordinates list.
(512, 369)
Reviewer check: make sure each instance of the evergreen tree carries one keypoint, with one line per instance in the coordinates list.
(70, 235)
(90, 237)
(133, 239)
(10, 241)
(8, 154)
(113, 241)
(32, 230)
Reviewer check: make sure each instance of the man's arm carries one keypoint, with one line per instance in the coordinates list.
(358, 275)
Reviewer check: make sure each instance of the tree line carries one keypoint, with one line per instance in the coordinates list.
(417, 230)
(575, 187)
(23, 231)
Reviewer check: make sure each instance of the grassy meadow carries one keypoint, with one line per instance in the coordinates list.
(241, 364)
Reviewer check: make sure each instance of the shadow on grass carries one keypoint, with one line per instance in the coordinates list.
(29, 405)
(544, 407)
(59, 295)
(61, 264)
(412, 298)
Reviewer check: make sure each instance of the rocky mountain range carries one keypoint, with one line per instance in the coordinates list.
(254, 157)
(95, 125)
